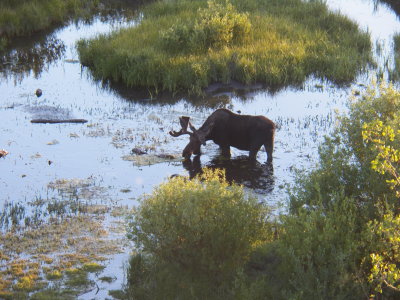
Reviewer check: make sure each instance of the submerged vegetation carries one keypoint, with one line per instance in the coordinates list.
(49, 246)
(184, 46)
(339, 240)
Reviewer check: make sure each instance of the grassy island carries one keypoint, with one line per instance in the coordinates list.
(184, 46)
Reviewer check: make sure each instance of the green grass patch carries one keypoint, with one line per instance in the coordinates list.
(23, 17)
(92, 267)
(184, 46)
(54, 275)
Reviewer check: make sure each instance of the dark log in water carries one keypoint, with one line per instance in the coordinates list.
(43, 121)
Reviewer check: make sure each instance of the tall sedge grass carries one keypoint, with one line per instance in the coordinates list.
(286, 42)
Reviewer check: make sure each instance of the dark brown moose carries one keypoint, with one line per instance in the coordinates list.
(227, 129)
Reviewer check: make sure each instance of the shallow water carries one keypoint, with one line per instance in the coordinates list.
(119, 120)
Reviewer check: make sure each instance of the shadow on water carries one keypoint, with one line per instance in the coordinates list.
(241, 170)
(216, 95)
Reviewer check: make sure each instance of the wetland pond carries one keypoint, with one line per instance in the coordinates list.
(84, 178)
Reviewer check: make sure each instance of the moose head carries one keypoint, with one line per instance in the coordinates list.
(197, 137)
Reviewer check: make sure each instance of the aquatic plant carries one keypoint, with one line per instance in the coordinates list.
(61, 251)
(184, 46)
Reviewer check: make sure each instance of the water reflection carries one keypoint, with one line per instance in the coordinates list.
(149, 97)
(65, 198)
(241, 170)
(393, 4)
(34, 55)
(216, 95)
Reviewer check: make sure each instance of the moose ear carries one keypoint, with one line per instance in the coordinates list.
(184, 122)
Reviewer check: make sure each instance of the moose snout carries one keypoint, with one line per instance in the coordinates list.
(186, 153)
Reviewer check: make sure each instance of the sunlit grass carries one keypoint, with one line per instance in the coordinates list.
(288, 41)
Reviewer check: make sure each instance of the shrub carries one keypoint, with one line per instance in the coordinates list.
(341, 238)
(205, 227)
(350, 158)
(385, 271)
(221, 25)
(217, 26)
(322, 252)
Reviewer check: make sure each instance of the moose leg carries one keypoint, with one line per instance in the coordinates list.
(225, 151)
(253, 152)
(269, 144)
(269, 148)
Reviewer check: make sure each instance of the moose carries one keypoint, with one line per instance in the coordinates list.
(227, 129)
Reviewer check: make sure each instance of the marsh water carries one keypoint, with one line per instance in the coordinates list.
(99, 153)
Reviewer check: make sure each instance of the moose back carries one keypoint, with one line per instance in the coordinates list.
(227, 129)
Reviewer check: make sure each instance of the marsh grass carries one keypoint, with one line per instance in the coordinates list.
(23, 17)
(49, 246)
(62, 252)
(278, 43)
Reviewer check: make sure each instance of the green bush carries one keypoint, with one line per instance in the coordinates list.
(217, 26)
(221, 25)
(385, 271)
(346, 157)
(341, 237)
(205, 227)
(322, 252)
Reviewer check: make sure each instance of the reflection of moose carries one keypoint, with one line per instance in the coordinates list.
(227, 129)
(259, 177)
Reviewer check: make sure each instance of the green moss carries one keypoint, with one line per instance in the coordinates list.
(276, 43)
